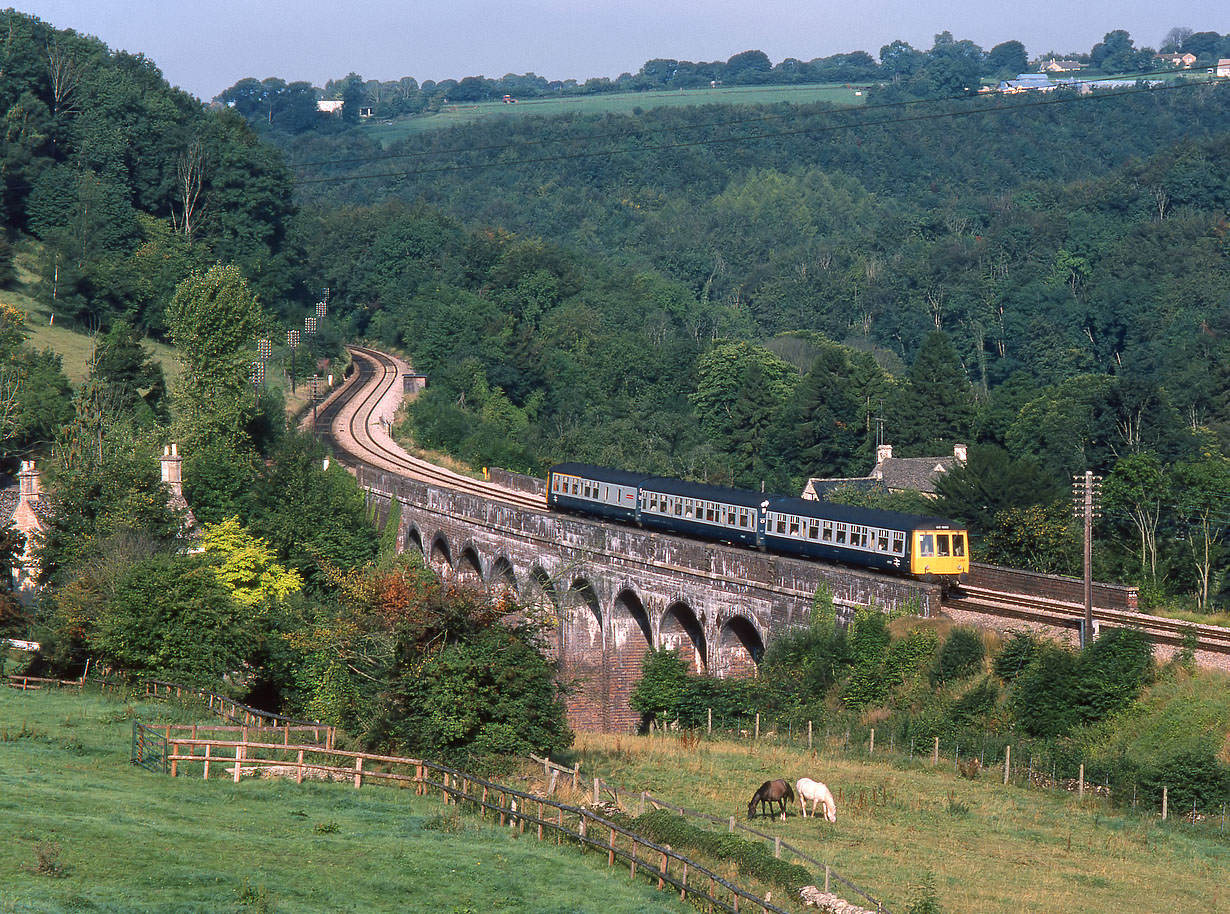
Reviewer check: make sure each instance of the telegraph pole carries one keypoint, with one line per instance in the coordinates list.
(1086, 492)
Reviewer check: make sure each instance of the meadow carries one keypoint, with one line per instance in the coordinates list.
(992, 849)
(388, 132)
(88, 831)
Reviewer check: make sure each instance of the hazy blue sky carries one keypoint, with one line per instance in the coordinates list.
(209, 45)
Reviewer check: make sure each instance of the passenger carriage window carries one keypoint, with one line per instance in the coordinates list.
(926, 545)
(794, 526)
(841, 534)
(710, 512)
(732, 517)
(743, 519)
(813, 529)
(678, 507)
(942, 542)
(883, 538)
(898, 542)
(781, 523)
(827, 534)
(958, 544)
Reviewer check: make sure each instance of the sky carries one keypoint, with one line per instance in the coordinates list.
(207, 46)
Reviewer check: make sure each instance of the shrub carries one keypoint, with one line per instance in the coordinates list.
(1111, 673)
(977, 704)
(1193, 776)
(1042, 697)
(960, 655)
(911, 656)
(1015, 656)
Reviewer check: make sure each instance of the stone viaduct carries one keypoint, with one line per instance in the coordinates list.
(609, 592)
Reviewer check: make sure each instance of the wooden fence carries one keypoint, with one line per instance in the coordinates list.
(511, 807)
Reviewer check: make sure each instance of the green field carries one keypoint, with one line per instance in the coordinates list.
(618, 103)
(87, 831)
(993, 849)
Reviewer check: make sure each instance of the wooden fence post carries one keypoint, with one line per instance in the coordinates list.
(610, 854)
(207, 748)
(732, 824)
(757, 725)
(1080, 784)
(540, 820)
(1165, 799)
(710, 730)
(299, 769)
(238, 760)
(935, 753)
(1007, 761)
(871, 746)
(576, 774)
(662, 873)
(596, 796)
(358, 772)
(683, 887)
(777, 847)
(174, 761)
(809, 736)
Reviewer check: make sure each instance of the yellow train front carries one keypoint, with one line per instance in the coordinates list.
(939, 553)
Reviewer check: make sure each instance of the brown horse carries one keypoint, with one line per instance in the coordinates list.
(768, 793)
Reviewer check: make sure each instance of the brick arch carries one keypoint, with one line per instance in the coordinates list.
(502, 575)
(679, 630)
(582, 656)
(541, 603)
(441, 553)
(414, 540)
(631, 636)
(469, 566)
(739, 649)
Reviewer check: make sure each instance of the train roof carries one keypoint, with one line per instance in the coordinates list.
(601, 474)
(704, 491)
(850, 514)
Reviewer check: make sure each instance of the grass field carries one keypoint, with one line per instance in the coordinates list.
(75, 345)
(993, 849)
(87, 831)
(617, 103)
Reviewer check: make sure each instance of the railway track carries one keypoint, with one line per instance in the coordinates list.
(355, 421)
(1211, 638)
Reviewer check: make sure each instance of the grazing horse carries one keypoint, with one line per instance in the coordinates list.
(768, 793)
(816, 793)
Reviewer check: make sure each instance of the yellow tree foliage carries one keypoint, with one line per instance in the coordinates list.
(245, 564)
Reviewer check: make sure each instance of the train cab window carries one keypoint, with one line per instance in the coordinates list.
(898, 542)
(926, 544)
(941, 540)
(841, 534)
(827, 532)
(958, 545)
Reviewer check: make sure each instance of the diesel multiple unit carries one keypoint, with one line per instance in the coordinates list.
(929, 548)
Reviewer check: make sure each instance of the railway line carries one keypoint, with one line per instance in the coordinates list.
(355, 419)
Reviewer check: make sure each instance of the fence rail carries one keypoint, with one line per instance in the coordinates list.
(514, 808)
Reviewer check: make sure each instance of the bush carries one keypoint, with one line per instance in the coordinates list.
(1015, 656)
(1111, 673)
(1194, 776)
(1042, 696)
(960, 655)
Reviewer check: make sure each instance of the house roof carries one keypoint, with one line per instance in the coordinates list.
(916, 473)
(9, 497)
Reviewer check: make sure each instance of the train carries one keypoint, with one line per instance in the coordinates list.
(930, 549)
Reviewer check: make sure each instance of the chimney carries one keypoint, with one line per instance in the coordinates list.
(28, 482)
(883, 452)
(961, 452)
(173, 470)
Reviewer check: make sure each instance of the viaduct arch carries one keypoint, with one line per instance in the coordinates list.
(611, 592)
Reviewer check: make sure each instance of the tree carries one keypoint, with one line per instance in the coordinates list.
(938, 407)
(1201, 488)
(245, 565)
(1139, 488)
(214, 320)
(1008, 57)
(172, 617)
(128, 371)
(990, 482)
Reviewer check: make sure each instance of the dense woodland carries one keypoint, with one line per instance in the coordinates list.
(744, 295)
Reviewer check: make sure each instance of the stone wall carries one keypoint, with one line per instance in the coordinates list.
(1051, 586)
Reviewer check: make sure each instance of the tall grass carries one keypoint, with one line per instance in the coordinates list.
(991, 848)
(87, 831)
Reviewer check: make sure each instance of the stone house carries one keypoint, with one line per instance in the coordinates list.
(893, 474)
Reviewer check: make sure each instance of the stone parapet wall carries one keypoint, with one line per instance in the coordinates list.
(1050, 586)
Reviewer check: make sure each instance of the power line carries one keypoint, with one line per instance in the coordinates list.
(814, 130)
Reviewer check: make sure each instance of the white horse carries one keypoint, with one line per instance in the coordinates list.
(816, 793)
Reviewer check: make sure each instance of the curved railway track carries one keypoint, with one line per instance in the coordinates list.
(354, 419)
